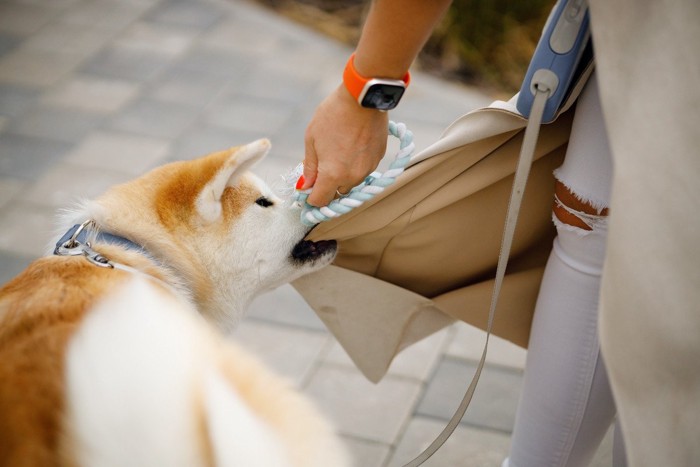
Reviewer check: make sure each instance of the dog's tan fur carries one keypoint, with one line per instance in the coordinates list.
(39, 311)
(178, 213)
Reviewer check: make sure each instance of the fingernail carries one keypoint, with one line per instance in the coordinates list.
(300, 182)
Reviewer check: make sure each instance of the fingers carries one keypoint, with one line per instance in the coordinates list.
(323, 193)
(310, 167)
(333, 180)
(344, 143)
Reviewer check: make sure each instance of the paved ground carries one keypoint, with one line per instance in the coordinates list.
(96, 92)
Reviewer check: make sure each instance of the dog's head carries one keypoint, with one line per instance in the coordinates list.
(220, 228)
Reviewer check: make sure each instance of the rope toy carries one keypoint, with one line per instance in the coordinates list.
(374, 184)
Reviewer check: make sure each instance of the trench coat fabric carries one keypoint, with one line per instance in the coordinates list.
(648, 68)
(424, 253)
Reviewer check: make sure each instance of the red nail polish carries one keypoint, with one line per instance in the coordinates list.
(300, 182)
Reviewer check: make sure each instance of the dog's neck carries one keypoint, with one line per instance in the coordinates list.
(128, 255)
(79, 233)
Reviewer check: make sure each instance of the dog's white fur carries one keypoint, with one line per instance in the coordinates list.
(170, 361)
(148, 381)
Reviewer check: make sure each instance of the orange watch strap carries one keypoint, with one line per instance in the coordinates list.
(355, 82)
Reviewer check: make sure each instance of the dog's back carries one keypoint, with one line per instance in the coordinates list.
(139, 380)
(39, 311)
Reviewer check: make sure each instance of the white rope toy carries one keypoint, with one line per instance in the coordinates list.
(374, 184)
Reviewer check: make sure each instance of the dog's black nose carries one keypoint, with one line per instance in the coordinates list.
(306, 250)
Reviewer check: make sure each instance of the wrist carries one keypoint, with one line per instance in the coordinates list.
(379, 93)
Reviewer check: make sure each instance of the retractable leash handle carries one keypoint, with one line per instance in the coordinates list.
(557, 55)
(544, 89)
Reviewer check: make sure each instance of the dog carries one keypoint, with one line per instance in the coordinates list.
(109, 349)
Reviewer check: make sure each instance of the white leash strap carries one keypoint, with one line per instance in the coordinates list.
(522, 171)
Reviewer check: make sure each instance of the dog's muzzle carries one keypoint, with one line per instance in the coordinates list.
(306, 250)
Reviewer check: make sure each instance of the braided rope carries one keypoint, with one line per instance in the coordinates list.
(374, 184)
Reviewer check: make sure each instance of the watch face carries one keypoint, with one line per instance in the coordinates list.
(383, 96)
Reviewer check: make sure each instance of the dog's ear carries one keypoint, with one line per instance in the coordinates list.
(236, 162)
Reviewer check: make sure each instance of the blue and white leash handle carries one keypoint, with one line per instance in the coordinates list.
(374, 184)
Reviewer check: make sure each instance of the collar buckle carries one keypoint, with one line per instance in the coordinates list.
(69, 245)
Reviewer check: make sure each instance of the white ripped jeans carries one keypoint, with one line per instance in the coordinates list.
(566, 405)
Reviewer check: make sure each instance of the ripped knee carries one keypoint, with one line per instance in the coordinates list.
(571, 211)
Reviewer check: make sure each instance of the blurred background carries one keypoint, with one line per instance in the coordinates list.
(484, 43)
(96, 92)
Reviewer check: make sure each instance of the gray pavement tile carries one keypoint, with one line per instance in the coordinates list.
(202, 139)
(155, 38)
(253, 15)
(11, 265)
(122, 152)
(362, 409)
(262, 83)
(218, 63)
(316, 63)
(27, 229)
(495, 399)
(366, 453)
(91, 94)
(244, 113)
(58, 37)
(10, 188)
(467, 447)
(123, 63)
(432, 100)
(284, 306)
(65, 184)
(468, 343)
(54, 123)
(288, 141)
(155, 118)
(27, 158)
(292, 352)
(105, 15)
(233, 35)
(23, 19)
(8, 42)
(15, 99)
(37, 68)
(193, 14)
(187, 86)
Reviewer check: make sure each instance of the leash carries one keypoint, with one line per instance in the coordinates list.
(374, 184)
(522, 171)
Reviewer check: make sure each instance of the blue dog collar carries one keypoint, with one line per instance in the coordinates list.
(102, 237)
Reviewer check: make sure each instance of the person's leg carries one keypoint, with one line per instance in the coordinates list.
(566, 405)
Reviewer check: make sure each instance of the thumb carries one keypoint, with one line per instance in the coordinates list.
(310, 168)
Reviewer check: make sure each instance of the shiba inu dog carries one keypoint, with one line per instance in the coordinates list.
(108, 356)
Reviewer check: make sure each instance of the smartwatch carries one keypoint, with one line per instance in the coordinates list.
(374, 93)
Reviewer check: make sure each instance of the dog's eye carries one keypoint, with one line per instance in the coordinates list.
(264, 202)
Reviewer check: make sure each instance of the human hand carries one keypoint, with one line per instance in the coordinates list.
(344, 143)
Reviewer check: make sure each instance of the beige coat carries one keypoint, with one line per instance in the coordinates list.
(648, 68)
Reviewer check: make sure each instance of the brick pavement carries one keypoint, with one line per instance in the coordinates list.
(94, 92)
